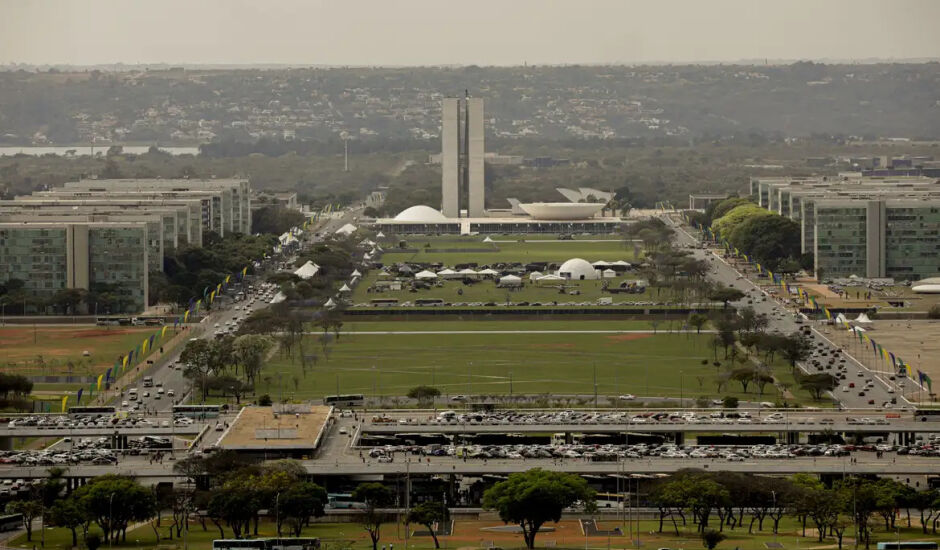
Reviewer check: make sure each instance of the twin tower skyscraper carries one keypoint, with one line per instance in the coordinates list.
(462, 157)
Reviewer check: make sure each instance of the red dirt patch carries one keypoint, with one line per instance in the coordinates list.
(627, 337)
(554, 346)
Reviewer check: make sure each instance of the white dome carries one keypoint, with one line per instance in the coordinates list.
(926, 289)
(577, 269)
(420, 214)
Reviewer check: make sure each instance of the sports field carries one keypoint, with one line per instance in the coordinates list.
(34, 351)
(457, 250)
(499, 363)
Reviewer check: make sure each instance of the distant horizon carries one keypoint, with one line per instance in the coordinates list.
(490, 33)
(689, 63)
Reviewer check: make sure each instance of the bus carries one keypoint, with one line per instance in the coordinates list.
(927, 415)
(11, 522)
(349, 400)
(342, 501)
(267, 544)
(197, 411)
(919, 545)
(77, 410)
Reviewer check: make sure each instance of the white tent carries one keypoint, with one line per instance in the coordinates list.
(467, 272)
(857, 329)
(347, 229)
(425, 275)
(379, 235)
(355, 273)
(344, 288)
(278, 298)
(487, 240)
(448, 273)
(488, 272)
(510, 280)
(621, 263)
(840, 319)
(330, 303)
(550, 278)
(600, 263)
(535, 275)
(609, 274)
(862, 318)
(307, 270)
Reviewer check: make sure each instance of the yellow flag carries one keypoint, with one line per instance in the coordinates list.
(64, 401)
(186, 316)
(143, 347)
(124, 361)
(100, 377)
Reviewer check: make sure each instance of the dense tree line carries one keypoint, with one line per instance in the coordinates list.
(726, 500)
(772, 240)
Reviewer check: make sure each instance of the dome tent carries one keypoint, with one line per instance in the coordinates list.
(510, 280)
(421, 275)
(578, 270)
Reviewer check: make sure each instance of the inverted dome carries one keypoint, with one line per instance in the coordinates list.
(420, 214)
(577, 269)
(561, 210)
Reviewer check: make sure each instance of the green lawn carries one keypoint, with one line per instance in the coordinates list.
(453, 291)
(663, 364)
(41, 350)
(528, 250)
(507, 324)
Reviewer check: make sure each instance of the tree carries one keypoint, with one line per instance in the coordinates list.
(725, 295)
(30, 509)
(711, 538)
(817, 384)
(375, 496)
(251, 350)
(795, 348)
(424, 394)
(67, 512)
(698, 320)
(92, 541)
(529, 499)
(235, 506)
(427, 514)
(200, 359)
(299, 503)
(771, 239)
(730, 402)
(113, 502)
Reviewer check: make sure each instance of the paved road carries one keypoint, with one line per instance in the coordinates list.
(786, 322)
(899, 466)
(173, 379)
(658, 427)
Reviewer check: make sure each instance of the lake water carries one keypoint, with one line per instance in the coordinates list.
(87, 150)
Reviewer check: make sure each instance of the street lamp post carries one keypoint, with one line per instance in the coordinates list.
(277, 513)
(110, 521)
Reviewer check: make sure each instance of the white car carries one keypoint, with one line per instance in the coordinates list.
(627, 397)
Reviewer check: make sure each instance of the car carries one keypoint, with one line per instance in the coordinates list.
(627, 397)
(845, 389)
(146, 394)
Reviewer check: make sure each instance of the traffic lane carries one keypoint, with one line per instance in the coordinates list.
(173, 378)
(729, 276)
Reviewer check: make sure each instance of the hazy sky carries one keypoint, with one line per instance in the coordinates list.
(484, 32)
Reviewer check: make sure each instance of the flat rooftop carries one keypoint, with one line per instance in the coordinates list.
(281, 427)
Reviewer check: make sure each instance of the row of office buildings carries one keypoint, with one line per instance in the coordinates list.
(110, 235)
(854, 224)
